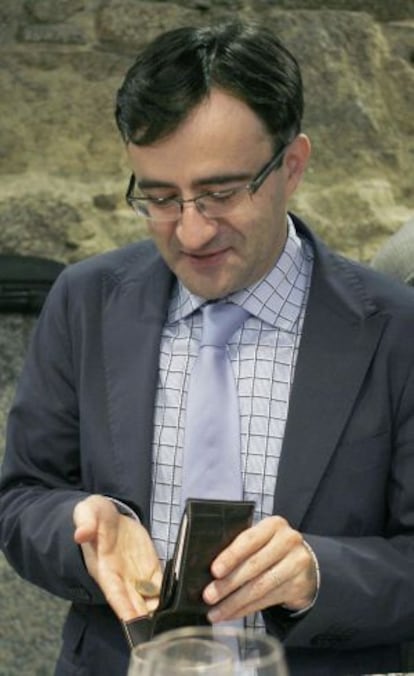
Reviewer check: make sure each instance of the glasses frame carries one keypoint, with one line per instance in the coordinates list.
(251, 187)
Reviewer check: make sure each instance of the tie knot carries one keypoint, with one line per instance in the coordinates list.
(220, 321)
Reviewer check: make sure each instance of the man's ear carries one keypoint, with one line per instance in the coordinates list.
(296, 160)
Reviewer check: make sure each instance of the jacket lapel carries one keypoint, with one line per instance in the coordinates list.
(340, 334)
(136, 302)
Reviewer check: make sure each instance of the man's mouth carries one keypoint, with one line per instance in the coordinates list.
(207, 258)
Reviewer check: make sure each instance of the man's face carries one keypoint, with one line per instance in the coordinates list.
(222, 144)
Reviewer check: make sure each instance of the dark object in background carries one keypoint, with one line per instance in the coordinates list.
(25, 282)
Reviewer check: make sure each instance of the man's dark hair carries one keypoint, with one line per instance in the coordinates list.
(177, 70)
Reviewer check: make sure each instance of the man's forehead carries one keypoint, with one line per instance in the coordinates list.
(205, 148)
(220, 121)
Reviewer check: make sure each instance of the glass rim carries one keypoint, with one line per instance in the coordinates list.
(246, 636)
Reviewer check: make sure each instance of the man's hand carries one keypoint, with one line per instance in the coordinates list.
(265, 565)
(117, 551)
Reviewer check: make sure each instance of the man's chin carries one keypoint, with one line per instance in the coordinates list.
(205, 288)
(210, 277)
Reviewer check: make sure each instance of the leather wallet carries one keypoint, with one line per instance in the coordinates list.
(207, 527)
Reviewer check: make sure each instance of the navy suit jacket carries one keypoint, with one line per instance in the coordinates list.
(82, 422)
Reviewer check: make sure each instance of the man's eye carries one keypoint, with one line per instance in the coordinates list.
(159, 200)
(222, 195)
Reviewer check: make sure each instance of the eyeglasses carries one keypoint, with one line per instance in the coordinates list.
(209, 204)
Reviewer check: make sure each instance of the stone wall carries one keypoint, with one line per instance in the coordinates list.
(62, 165)
(63, 170)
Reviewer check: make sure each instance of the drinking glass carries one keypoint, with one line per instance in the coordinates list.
(209, 651)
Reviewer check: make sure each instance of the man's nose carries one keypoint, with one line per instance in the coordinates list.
(193, 229)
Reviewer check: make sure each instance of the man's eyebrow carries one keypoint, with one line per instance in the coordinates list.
(153, 183)
(214, 179)
(222, 179)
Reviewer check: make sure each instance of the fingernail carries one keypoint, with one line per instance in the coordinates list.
(218, 569)
(210, 594)
(214, 615)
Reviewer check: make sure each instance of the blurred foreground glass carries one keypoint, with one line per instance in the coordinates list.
(209, 651)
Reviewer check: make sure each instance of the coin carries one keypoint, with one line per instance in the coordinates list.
(147, 588)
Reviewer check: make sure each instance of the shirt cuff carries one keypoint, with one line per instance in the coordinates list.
(124, 509)
(302, 611)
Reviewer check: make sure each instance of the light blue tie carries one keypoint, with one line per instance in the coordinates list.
(211, 463)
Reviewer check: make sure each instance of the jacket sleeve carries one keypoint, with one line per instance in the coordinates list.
(366, 594)
(41, 478)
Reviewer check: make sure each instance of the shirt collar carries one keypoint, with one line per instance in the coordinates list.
(276, 299)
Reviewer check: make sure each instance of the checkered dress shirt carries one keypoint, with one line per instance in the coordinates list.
(263, 355)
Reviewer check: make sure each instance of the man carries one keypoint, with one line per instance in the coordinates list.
(211, 119)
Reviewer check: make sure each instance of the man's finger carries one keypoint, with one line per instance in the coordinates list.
(85, 533)
(121, 596)
(246, 544)
(85, 516)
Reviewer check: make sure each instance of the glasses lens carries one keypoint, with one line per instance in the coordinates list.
(164, 211)
(220, 203)
(210, 205)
